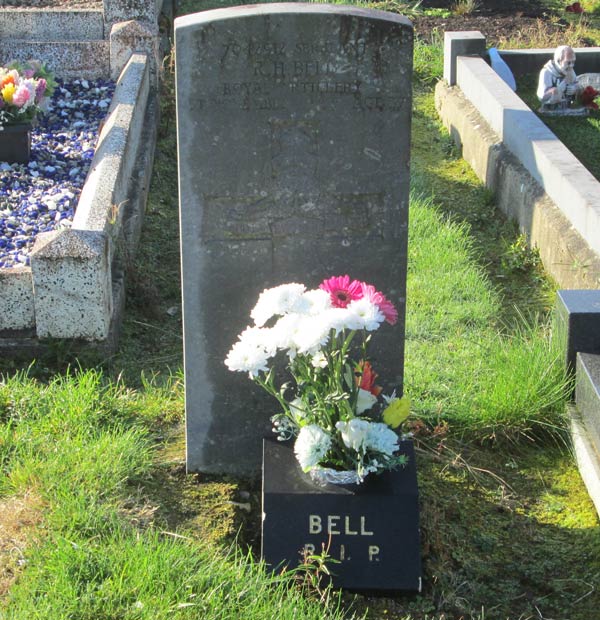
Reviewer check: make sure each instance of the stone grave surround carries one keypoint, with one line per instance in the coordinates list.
(293, 144)
(589, 79)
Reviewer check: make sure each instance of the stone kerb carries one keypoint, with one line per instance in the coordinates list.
(573, 188)
(16, 299)
(294, 142)
(71, 60)
(72, 269)
(522, 62)
(125, 10)
(55, 25)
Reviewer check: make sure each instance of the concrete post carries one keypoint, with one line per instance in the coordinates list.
(127, 38)
(468, 43)
(73, 284)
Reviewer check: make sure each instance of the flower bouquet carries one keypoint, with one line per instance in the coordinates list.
(342, 424)
(23, 90)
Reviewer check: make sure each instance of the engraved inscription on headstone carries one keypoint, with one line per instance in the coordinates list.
(293, 140)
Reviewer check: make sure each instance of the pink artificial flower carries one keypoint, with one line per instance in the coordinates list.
(341, 290)
(21, 96)
(386, 307)
(40, 90)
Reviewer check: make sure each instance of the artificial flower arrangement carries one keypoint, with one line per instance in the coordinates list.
(343, 431)
(23, 91)
(587, 96)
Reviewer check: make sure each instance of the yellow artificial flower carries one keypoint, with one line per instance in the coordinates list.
(7, 92)
(397, 411)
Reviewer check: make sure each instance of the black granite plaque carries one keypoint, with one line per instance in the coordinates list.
(371, 529)
(578, 314)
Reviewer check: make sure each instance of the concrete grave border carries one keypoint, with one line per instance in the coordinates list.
(537, 180)
(553, 197)
(75, 287)
(87, 43)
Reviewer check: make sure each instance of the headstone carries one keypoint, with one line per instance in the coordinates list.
(369, 532)
(293, 141)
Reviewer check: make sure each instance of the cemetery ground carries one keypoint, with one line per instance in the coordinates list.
(99, 520)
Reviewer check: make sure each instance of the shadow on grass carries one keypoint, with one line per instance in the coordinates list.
(502, 535)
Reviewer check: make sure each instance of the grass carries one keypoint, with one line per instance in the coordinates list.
(99, 520)
(80, 445)
(465, 7)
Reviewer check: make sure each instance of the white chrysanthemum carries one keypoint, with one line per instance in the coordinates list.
(310, 334)
(277, 301)
(366, 313)
(381, 438)
(341, 318)
(286, 330)
(311, 446)
(364, 401)
(245, 356)
(316, 301)
(354, 433)
(260, 337)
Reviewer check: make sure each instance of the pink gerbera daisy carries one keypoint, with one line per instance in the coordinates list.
(341, 290)
(386, 307)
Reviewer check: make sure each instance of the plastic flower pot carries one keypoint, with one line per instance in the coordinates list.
(15, 143)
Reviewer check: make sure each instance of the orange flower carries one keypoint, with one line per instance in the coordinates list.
(365, 378)
(9, 78)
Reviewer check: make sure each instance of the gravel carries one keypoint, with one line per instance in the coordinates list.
(42, 196)
(55, 4)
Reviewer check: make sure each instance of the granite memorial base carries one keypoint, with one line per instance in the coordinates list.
(371, 531)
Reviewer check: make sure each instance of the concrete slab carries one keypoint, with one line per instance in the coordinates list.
(52, 25)
(67, 59)
(73, 284)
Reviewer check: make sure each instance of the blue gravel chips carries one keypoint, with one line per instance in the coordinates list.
(42, 195)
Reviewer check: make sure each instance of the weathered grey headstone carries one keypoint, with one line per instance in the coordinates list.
(293, 137)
